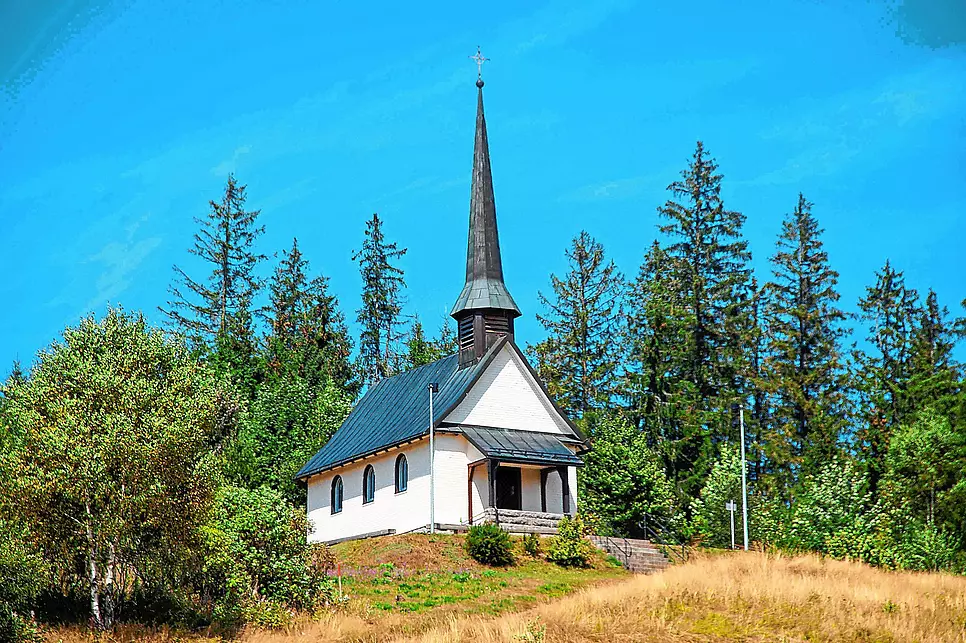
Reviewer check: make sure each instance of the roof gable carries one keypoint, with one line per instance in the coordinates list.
(507, 394)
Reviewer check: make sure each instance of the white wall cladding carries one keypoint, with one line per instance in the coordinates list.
(507, 396)
(388, 510)
(481, 491)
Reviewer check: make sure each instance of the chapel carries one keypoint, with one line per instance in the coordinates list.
(473, 437)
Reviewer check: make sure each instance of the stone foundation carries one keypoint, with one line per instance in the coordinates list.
(523, 522)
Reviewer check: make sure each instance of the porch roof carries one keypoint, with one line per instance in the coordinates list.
(520, 446)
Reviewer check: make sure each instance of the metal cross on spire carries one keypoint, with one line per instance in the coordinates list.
(479, 59)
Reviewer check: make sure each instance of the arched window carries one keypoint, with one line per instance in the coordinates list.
(402, 473)
(336, 494)
(368, 485)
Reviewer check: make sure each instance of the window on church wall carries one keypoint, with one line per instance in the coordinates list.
(368, 485)
(402, 473)
(336, 499)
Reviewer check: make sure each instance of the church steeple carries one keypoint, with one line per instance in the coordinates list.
(484, 310)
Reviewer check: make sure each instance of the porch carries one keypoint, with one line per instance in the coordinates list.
(523, 483)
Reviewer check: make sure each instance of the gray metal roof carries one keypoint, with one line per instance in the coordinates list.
(394, 411)
(484, 266)
(520, 446)
(485, 293)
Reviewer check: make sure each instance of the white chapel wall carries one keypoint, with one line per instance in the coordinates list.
(403, 511)
(506, 396)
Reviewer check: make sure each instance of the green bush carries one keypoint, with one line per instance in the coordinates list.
(569, 548)
(23, 576)
(490, 545)
(531, 545)
(15, 628)
(258, 563)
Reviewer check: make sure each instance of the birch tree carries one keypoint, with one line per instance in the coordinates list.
(112, 454)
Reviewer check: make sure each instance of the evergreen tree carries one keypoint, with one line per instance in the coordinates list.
(882, 371)
(235, 351)
(289, 421)
(662, 403)
(934, 379)
(17, 374)
(214, 313)
(710, 259)
(381, 313)
(422, 350)
(804, 362)
(579, 361)
(757, 419)
(308, 336)
(702, 310)
(203, 309)
(419, 350)
(446, 339)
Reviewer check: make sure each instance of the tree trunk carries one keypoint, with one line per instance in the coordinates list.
(95, 585)
(110, 575)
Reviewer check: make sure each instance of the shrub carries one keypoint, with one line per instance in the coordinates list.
(569, 548)
(531, 545)
(258, 563)
(535, 632)
(624, 480)
(490, 545)
(23, 576)
(15, 628)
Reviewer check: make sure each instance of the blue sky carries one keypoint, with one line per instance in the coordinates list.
(119, 120)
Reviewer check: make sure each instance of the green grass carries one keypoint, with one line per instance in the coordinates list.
(455, 582)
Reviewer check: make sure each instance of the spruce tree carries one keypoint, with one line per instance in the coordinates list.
(891, 311)
(708, 365)
(804, 360)
(934, 379)
(580, 359)
(214, 312)
(446, 338)
(202, 309)
(381, 313)
(419, 349)
(660, 402)
(757, 417)
(710, 259)
(308, 335)
(17, 374)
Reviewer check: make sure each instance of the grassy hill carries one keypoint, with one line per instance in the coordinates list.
(741, 597)
(425, 589)
(416, 573)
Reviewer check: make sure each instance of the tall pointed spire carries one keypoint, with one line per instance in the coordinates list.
(485, 295)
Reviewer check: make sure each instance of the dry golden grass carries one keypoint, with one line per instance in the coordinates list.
(739, 597)
(743, 597)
